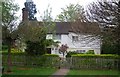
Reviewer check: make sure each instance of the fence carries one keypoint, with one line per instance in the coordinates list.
(93, 63)
(72, 63)
(38, 61)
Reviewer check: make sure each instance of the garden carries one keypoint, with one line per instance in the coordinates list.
(84, 65)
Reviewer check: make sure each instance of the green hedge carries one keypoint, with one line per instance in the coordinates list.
(14, 54)
(90, 52)
(22, 59)
(96, 56)
(50, 55)
(69, 54)
(91, 61)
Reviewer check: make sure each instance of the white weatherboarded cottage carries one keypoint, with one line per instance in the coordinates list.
(80, 41)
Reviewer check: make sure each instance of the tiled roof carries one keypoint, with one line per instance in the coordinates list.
(66, 27)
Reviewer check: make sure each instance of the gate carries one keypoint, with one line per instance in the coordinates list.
(64, 63)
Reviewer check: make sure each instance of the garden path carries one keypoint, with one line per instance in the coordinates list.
(60, 73)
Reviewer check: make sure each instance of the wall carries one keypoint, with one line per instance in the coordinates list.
(84, 43)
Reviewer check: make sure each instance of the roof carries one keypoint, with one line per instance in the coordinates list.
(62, 27)
(85, 27)
(76, 27)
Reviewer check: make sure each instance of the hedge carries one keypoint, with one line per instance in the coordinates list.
(50, 55)
(96, 56)
(21, 59)
(91, 61)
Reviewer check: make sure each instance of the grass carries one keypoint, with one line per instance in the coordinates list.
(29, 71)
(93, 73)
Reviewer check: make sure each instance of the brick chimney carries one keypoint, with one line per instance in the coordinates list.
(24, 14)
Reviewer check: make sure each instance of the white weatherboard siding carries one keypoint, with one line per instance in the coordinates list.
(82, 43)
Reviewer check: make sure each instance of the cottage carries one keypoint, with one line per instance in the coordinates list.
(78, 39)
(78, 36)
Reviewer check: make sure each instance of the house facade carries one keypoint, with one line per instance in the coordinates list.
(77, 42)
(78, 36)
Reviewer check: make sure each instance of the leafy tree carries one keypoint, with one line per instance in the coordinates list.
(9, 9)
(71, 13)
(48, 21)
(35, 36)
(106, 13)
(31, 7)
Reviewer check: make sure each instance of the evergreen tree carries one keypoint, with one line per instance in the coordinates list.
(31, 9)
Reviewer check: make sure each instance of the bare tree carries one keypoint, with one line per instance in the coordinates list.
(107, 14)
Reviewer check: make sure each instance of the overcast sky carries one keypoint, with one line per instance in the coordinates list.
(56, 5)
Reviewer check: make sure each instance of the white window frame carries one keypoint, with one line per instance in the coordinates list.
(74, 38)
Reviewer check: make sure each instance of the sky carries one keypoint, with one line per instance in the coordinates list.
(56, 6)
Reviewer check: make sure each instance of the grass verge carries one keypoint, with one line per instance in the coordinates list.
(29, 72)
(93, 73)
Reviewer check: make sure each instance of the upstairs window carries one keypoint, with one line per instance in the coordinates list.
(75, 38)
(57, 37)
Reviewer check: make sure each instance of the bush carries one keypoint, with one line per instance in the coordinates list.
(4, 47)
(90, 52)
(71, 53)
(15, 50)
(35, 48)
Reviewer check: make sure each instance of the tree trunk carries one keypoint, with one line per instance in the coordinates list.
(63, 54)
(9, 58)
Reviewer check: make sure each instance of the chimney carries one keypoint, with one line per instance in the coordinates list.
(24, 14)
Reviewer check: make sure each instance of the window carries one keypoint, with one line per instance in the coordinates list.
(57, 37)
(80, 51)
(74, 38)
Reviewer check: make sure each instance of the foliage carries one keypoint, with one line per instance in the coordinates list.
(107, 14)
(90, 52)
(109, 49)
(71, 53)
(31, 7)
(4, 47)
(48, 21)
(50, 55)
(96, 56)
(71, 13)
(90, 61)
(9, 18)
(14, 53)
(63, 49)
(20, 59)
(35, 48)
(34, 34)
(31, 31)
(15, 50)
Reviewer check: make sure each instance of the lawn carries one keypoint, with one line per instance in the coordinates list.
(29, 71)
(93, 73)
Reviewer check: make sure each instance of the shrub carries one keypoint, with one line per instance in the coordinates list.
(71, 53)
(90, 52)
(4, 47)
(35, 48)
(15, 50)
